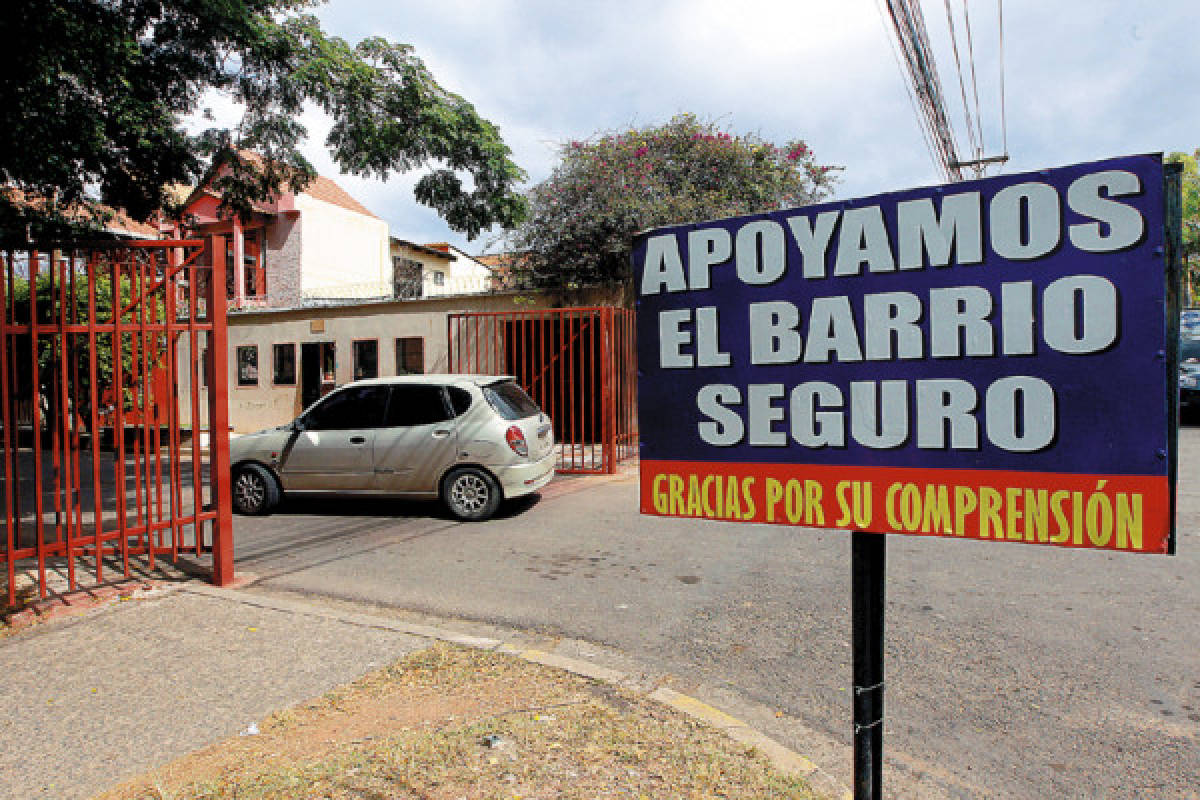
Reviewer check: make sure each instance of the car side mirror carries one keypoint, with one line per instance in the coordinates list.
(298, 425)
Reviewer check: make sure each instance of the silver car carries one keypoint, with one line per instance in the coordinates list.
(471, 440)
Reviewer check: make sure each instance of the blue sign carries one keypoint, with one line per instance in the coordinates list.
(1000, 337)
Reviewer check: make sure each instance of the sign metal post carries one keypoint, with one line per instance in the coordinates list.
(868, 562)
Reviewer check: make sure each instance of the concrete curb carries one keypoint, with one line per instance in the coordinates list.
(781, 757)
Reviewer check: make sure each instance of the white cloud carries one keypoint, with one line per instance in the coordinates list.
(1085, 79)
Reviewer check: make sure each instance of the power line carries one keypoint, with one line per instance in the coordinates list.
(972, 140)
(922, 122)
(909, 25)
(914, 56)
(1003, 115)
(974, 83)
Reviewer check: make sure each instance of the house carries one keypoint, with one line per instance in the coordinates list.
(113, 222)
(281, 360)
(313, 244)
(436, 270)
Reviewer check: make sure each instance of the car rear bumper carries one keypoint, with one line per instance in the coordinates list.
(522, 479)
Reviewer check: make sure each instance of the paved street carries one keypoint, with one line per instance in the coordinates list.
(1013, 671)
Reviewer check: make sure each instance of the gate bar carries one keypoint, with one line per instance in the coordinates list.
(62, 431)
(37, 422)
(119, 416)
(94, 397)
(218, 423)
(12, 520)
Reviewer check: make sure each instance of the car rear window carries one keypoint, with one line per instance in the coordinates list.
(460, 399)
(510, 400)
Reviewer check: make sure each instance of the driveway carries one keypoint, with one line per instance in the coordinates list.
(1013, 670)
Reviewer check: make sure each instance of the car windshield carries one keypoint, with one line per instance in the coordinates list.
(510, 400)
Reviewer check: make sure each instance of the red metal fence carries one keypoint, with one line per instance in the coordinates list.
(107, 461)
(578, 364)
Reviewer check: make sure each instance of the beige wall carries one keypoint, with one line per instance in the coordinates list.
(343, 253)
(265, 405)
(461, 273)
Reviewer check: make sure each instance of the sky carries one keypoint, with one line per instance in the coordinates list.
(1083, 80)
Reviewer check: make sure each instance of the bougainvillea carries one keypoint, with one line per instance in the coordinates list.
(583, 217)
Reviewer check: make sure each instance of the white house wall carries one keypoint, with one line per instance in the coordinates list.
(344, 253)
(464, 275)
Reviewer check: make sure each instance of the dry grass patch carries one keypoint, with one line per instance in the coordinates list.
(450, 723)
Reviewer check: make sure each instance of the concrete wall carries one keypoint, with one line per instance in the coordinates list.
(344, 253)
(264, 405)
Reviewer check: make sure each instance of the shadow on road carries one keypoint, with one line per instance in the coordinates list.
(389, 507)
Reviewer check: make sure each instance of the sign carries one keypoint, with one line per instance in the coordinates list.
(983, 360)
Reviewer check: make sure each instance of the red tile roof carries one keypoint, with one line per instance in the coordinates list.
(324, 189)
(321, 188)
(117, 221)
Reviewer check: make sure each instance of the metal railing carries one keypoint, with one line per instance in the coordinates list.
(100, 406)
(578, 364)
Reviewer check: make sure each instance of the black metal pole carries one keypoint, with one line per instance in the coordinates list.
(868, 560)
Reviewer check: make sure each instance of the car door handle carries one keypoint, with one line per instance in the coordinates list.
(358, 440)
(442, 433)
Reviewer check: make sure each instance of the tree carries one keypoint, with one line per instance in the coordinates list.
(70, 301)
(583, 217)
(96, 94)
(1191, 220)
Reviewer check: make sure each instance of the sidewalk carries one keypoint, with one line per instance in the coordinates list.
(124, 690)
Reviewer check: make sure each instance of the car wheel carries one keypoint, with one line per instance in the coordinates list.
(254, 490)
(471, 494)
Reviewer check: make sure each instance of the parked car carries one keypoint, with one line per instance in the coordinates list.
(1189, 373)
(471, 440)
(1189, 322)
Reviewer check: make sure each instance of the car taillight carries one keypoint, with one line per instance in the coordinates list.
(516, 440)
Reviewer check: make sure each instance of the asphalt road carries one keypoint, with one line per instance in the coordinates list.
(1012, 670)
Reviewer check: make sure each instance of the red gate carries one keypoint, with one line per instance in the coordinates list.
(578, 364)
(107, 453)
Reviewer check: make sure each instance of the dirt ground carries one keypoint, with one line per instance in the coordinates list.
(449, 723)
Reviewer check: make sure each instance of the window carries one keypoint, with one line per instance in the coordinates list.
(417, 405)
(460, 400)
(406, 277)
(328, 362)
(254, 263)
(204, 368)
(247, 365)
(254, 259)
(285, 364)
(510, 400)
(366, 359)
(349, 409)
(410, 356)
(439, 278)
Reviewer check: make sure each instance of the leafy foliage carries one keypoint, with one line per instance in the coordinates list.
(583, 217)
(71, 303)
(96, 94)
(1191, 215)
(1191, 208)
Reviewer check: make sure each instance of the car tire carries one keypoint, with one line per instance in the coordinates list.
(471, 494)
(255, 491)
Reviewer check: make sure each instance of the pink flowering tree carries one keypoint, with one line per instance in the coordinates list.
(583, 217)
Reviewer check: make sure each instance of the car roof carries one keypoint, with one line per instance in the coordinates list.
(435, 378)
